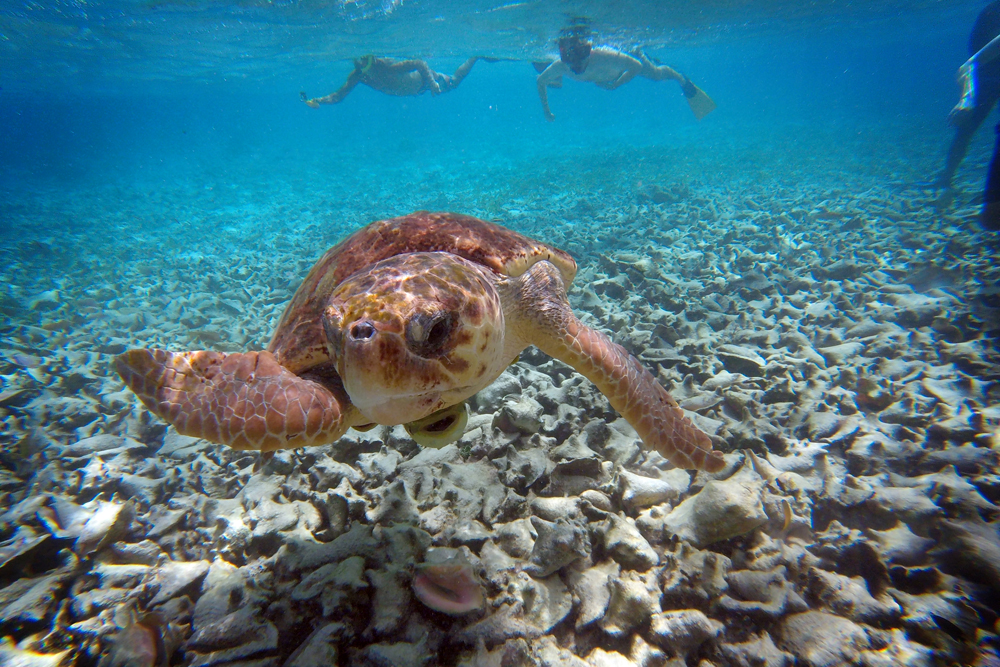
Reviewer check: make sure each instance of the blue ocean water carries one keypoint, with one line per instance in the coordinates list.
(783, 266)
(172, 91)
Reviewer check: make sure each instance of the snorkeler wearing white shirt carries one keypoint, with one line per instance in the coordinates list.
(609, 68)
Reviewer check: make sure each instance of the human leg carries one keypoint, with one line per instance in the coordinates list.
(447, 83)
(656, 72)
(989, 218)
(966, 127)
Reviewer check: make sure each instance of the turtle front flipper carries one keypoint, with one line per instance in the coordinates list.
(547, 321)
(246, 400)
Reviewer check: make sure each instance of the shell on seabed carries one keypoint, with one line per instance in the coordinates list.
(446, 582)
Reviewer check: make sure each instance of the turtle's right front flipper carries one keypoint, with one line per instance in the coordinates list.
(541, 315)
(246, 400)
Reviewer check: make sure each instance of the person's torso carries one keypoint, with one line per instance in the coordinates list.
(603, 66)
(391, 81)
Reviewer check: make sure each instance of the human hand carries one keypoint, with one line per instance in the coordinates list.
(549, 116)
(434, 87)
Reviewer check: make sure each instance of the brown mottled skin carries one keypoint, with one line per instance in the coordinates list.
(402, 319)
(298, 339)
(252, 402)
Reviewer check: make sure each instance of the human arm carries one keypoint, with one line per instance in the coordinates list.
(628, 65)
(967, 78)
(550, 76)
(333, 98)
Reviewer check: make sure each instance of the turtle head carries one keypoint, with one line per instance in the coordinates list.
(414, 334)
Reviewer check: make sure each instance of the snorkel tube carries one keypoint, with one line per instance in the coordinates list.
(364, 63)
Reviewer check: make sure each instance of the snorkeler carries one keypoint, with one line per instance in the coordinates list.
(394, 77)
(980, 79)
(609, 68)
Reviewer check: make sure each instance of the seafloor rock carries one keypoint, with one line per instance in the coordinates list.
(951, 492)
(516, 538)
(634, 599)
(623, 541)
(558, 544)
(238, 636)
(29, 601)
(761, 594)
(849, 596)
(521, 469)
(520, 414)
(900, 545)
(173, 578)
(819, 639)
(692, 577)
(743, 360)
(721, 510)
(757, 652)
(105, 525)
(601, 658)
(554, 509)
(336, 584)
(972, 547)
(397, 654)
(225, 589)
(12, 654)
(506, 622)
(907, 503)
(683, 630)
(319, 649)
(550, 654)
(591, 591)
(390, 601)
(638, 492)
(544, 602)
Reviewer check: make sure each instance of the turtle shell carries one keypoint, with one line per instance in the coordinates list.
(299, 342)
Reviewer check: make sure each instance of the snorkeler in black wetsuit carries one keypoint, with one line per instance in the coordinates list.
(981, 79)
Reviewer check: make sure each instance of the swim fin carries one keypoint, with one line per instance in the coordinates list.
(701, 104)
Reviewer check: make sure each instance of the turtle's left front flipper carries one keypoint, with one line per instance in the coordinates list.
(546, 320)
(246, 400)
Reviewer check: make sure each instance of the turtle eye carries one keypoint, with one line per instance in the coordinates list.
(427, 334)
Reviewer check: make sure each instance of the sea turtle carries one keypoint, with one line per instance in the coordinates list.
(400, 322)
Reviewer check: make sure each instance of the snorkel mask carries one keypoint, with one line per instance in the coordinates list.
(364, 63)
(574, 52)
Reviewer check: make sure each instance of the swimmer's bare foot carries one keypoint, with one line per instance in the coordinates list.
(312, 103)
